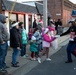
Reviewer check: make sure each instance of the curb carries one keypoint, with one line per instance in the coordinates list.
(28, 65)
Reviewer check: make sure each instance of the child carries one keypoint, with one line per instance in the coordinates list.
(33, 47)
(30, 34)
(47, 39)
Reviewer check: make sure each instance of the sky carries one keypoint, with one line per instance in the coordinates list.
(74, 1)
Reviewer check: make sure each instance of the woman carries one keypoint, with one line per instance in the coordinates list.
(15, 43)
(72, 42)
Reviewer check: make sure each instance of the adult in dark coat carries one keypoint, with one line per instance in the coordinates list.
(72, 42)
(34, 24)
(58, 23)
(15, 43)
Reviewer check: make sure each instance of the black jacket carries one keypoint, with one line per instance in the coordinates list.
(15, 38)
(34, 24)
(71, 29)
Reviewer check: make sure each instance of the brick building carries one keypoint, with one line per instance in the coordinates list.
(61, 9)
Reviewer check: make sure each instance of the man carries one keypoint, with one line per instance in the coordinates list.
(3, 42)
(34, 24)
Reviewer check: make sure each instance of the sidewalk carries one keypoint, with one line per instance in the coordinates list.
(25, 63)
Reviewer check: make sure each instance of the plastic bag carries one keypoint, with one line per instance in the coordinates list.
(54, 44)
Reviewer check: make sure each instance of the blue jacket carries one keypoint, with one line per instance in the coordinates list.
(38, 37)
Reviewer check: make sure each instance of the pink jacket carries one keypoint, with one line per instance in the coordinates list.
(47, 38)
(51, 28)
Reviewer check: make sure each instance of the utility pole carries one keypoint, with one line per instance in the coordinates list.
(45, 13)
(0, 6)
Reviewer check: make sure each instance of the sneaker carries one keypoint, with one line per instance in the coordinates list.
(33, 59)
(69, 61)
(39, 60)
(15, 65)
(48, 59)
(3, 70)
(6, 67)
(26, 55)
(16, 62)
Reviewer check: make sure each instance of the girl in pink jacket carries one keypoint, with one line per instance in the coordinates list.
(47, 39)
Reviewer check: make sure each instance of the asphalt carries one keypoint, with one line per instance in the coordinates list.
(26, 64)
(56, 66)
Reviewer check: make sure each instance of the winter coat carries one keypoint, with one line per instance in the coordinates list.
(39, 27)
(47, 39)
(24, 37)
(15, 38)
(72, 31)
(4, 36)
(33, 47)
(34, 24)
(51, 28)
(38, 37)
(29, 35)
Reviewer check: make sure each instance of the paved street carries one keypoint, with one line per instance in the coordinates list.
(57, 66)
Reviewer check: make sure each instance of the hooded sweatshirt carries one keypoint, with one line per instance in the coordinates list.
(3, 30)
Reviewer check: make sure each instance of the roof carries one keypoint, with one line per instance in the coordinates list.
(7, 5)
(73, 12)
(39, 7)
(19, 7)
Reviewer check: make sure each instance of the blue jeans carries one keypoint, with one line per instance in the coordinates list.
(23, 50)
(15, 55)
(70, 50)
(3, 53)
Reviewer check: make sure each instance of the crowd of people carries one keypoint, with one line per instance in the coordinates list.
(39, 38)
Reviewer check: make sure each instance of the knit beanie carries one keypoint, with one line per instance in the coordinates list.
(20, 23)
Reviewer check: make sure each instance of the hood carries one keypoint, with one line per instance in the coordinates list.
(2, 18)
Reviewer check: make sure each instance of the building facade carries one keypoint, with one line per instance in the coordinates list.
(61, 9)
(21, 12)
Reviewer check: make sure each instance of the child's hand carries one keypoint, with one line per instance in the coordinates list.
(53, 38)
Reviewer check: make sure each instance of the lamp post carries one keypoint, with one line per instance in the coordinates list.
(0, 6)
(45, 13)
